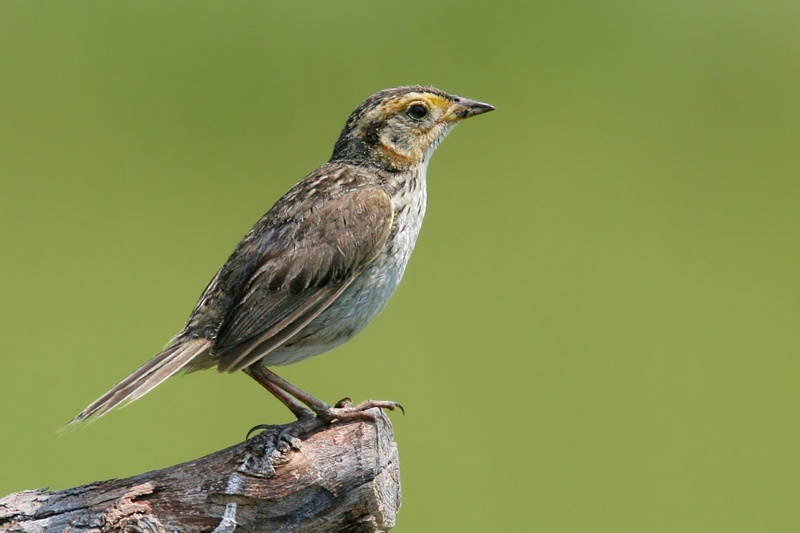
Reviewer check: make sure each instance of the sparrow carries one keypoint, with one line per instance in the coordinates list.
(321, 263)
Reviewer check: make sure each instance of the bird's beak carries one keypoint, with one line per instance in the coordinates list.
(464, 108)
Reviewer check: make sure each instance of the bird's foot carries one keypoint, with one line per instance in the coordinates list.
(344, 410)
(289, 434)
(323, 415)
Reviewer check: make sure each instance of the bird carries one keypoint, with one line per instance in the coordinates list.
(321, 263)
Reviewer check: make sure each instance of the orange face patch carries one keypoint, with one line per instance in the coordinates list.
(400, 104)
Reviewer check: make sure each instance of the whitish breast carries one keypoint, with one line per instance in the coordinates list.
(371, 291)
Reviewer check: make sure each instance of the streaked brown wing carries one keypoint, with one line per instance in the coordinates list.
(300, 277)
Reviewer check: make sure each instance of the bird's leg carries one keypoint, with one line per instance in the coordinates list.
(343, 410)
(256, 372)
(306, 421)
(288, 393)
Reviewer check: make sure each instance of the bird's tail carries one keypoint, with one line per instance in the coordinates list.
(145, 378)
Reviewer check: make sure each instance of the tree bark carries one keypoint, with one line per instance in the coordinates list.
(338, 478)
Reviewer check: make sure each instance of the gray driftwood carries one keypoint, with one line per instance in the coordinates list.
(342, 478)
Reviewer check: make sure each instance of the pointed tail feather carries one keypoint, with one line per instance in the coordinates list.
(145, 378)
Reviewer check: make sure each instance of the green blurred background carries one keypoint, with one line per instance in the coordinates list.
(598, 330)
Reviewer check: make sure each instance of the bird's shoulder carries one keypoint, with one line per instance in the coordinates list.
(333, 194)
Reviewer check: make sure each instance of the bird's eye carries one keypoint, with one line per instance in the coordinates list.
(417, 111)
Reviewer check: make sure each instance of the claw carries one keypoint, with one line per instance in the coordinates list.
(285, 435)
(344, 403)
(262, 427)
(290, 432)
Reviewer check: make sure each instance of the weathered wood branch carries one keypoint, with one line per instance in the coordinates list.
(341, 478)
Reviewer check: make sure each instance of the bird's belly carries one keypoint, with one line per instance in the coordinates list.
(360, 302)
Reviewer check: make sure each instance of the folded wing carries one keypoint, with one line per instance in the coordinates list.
(303, 274)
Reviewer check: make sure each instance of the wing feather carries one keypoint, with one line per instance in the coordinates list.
(296, 280)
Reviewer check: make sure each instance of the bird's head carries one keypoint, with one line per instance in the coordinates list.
(399, 128)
